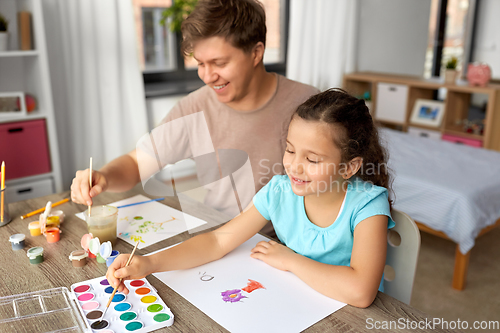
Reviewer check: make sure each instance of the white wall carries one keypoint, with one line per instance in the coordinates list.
(393, 36)
(487, 44)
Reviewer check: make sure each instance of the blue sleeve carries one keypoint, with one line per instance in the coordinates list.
(265, 199)
(378, 205)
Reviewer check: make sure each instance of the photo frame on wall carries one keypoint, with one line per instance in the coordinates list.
(427, 112)
(12, 104)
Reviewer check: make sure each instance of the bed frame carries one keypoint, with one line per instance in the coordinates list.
(461, 260)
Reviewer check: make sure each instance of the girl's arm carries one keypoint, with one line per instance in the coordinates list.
(356, 285)
(193, 252)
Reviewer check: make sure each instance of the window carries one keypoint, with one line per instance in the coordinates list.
(158, 43)
(159, 48)
(450, 34)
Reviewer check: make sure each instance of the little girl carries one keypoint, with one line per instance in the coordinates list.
(331, 211)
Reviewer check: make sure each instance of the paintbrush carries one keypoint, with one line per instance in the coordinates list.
(114, 291)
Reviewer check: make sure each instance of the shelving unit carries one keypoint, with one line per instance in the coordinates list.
(28, 71)
(456, 103)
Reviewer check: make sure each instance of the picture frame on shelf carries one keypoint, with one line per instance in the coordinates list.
(12, 104)
(427, 112)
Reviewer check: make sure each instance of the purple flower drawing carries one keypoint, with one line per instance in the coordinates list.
(232, 296)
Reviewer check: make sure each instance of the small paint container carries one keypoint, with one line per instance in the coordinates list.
(78, 258)
(58, 213)
(112, 257)
(53, 222)
(94, 246)
(100, 259)
(36, 255)
(104, 252)
(17, 241)
(53, 235)
(34, 228)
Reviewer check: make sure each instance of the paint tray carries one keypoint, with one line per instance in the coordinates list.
(141, 311)
(51, 310)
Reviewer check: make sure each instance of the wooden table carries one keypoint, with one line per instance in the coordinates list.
(19, 276)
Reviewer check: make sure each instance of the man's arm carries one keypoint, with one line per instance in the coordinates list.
(121, 174)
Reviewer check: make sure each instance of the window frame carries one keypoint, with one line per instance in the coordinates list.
(184, 80)
(440, 33)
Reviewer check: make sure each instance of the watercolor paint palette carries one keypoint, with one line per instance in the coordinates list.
(142, 310)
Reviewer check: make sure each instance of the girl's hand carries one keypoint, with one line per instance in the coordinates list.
(138, 268)
(274, 254)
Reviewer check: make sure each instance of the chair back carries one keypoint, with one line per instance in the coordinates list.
(402, 254)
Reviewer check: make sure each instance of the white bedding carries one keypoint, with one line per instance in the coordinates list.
(448, 187)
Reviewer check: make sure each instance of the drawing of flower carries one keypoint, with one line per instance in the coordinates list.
(232, 296)
(253, 285)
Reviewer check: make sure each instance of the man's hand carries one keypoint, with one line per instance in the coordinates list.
(81, 192)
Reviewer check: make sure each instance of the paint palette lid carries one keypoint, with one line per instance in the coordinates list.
(24, 313)
(35, 252)
(17, 238)
(94, 245)
(85, 241)
(105, 249)
(78, 255)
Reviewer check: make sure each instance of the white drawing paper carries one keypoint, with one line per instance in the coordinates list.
(150, 222)
(244, 294)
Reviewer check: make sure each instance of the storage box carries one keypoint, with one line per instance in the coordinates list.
(424, 133)
(461, 140)
(24, 148)
(391, 102)
(51, 310)
(29, 190)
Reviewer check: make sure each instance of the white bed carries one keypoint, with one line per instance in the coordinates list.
(450, 188)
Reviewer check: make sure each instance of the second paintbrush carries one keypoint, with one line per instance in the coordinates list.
(116, 288)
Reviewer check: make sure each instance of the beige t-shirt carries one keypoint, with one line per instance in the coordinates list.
(209, 126)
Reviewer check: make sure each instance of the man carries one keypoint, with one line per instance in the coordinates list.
(245, 107)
